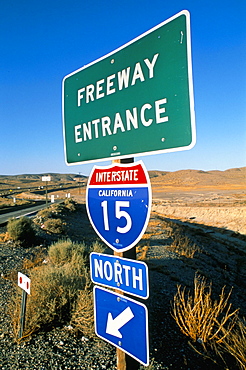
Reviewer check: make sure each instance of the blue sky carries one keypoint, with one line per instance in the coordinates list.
(43, 41)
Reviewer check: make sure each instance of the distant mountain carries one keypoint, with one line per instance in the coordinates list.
(38, 177)
(236, 176)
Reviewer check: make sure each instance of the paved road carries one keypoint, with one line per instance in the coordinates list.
(23, 212)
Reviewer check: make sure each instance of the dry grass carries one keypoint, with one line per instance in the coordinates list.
(21, 230)
(4, 237)
(153, 223)
(83, 316)
(34, 261)
(181, 244)
(54, 226)
(7, 202)
(142, 252)
(54, 292)
(235, 343)
(184, 247)
(199, 317)
(60, 289)
(142, 249)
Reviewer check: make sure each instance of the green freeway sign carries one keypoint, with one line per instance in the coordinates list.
(137, 100)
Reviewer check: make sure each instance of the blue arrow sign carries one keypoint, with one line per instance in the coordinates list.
(122, 322)
(130, 276)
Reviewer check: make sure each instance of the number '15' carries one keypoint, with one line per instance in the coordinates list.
(119, 204)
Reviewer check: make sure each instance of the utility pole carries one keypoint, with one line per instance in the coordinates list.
(46, 193)
(79, 182)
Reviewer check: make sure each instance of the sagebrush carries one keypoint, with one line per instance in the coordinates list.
(59, 289)
(211, 323)
(21, 230)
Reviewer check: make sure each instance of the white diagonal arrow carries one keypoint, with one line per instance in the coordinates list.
(113, 325)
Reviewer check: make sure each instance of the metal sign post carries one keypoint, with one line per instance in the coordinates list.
(124, 361)
(22, 313)
(46, 179)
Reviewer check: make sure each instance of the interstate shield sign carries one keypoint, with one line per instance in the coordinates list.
(118, 201)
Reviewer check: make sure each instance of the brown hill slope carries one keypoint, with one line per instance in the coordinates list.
(195, 178)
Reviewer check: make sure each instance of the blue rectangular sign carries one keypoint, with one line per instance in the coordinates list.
(122, 322)
(130, 276)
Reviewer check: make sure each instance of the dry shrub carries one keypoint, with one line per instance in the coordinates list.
(70, 204)
(58, 208)
(4, 237)
(61, 251)
(64, 250)
(235, 343)
(54, 226)
(200, 318)
(97, 247)
(54, 292)
(53, 211)
(45, 213)
(142, 252)
(21, 230)
(83, 316)
(182, 245)
(59, 290)
(33, 262)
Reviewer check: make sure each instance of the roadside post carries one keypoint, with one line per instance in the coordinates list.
(137, 100)
(24, 283)
(79, 183)
(124, 361)
(46, 179)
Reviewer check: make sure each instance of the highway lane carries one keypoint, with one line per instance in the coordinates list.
(23, 212)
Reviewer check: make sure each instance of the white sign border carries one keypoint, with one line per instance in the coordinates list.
(191, 95)
(146, 329)
(120, 287)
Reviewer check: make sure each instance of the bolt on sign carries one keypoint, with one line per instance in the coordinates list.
(136, 100)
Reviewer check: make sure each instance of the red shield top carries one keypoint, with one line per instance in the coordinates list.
(119, 175)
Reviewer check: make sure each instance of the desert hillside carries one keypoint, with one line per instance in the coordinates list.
(235, 177)
(215, 198)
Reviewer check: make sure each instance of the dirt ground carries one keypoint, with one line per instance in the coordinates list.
(220, 208)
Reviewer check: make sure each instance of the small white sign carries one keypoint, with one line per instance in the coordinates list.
(24, 282)
(46, 178)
